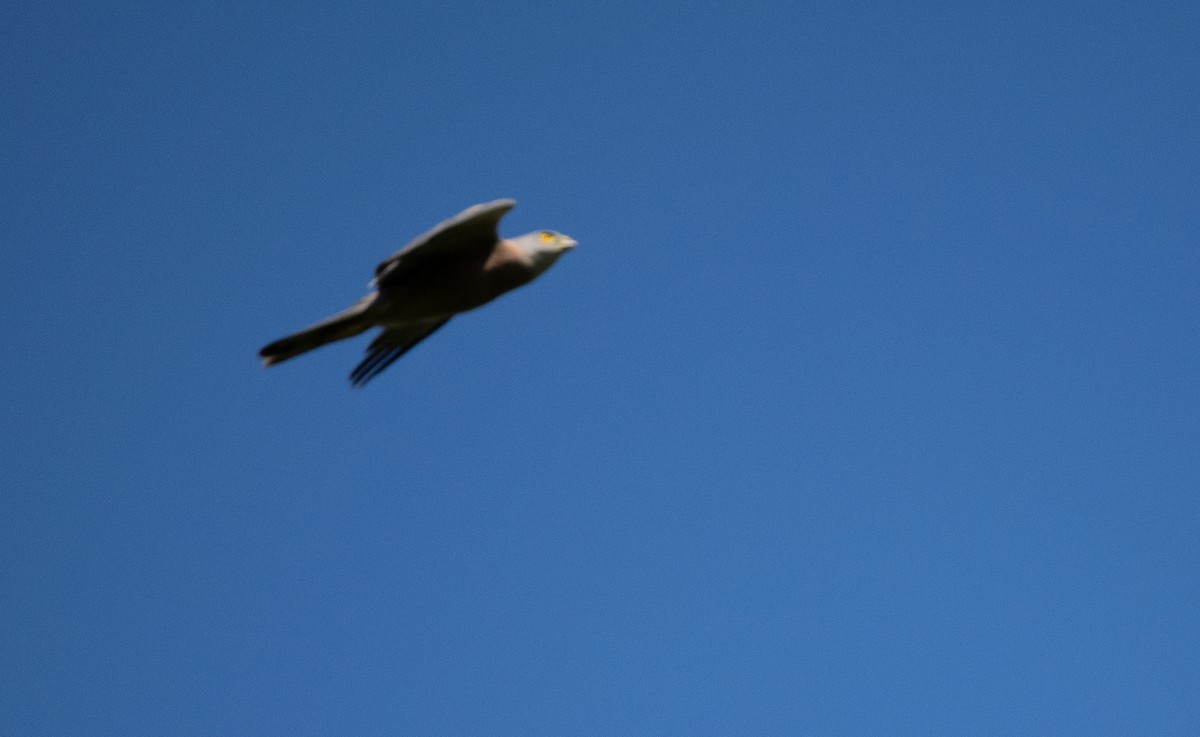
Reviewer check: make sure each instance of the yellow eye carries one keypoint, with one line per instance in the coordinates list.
(547, 236)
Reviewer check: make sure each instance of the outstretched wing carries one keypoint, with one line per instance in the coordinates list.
(469, 232)
(389, 345)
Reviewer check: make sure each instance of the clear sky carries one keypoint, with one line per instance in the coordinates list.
(869, 403)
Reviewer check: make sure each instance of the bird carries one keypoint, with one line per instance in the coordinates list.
(460, 264)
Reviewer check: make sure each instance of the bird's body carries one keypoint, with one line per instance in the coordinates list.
(459, 265)
(454, 285)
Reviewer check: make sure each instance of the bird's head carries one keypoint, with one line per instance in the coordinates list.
(543, 247)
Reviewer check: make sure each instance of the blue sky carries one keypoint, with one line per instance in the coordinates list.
(867, 405)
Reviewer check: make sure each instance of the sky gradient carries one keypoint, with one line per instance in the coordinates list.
(868, 403)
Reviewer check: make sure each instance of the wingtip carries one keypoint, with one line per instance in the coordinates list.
(504, 203)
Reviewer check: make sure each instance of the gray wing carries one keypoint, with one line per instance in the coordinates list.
(471, 231)
(390, 345)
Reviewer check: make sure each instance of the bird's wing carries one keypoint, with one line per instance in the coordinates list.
(469, 232)
(392, 343)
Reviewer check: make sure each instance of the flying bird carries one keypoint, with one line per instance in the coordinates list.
(459, 265)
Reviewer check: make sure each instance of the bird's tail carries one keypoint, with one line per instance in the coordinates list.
(343, 325)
